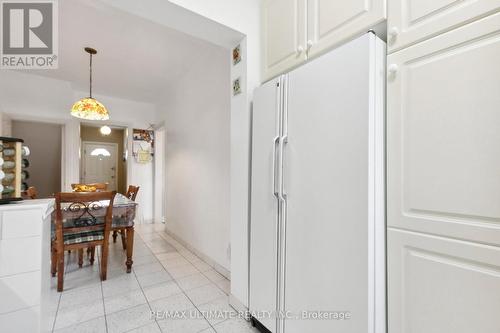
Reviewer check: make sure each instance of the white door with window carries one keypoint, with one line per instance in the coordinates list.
(100, 161)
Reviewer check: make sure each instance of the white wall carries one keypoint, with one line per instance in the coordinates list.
(44, 141)
(242, 16)
(196, 112)
(31, 97)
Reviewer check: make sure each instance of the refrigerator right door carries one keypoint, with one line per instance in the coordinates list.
(334, 187)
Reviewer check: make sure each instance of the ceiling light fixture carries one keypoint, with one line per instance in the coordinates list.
(89, 108)
(105, 130)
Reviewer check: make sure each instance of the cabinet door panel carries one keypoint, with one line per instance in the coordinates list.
(443, 134)
(438, 285)
(411, 21)
(333, 22)
(284, 33)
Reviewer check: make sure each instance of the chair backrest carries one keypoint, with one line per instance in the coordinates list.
(98, 186)
(83, 212)
(32, 192)
(132, 192)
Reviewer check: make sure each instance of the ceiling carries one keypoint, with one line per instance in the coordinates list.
(137, 59)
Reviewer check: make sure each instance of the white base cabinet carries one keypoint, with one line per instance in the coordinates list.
(25, 293)
(439, 285)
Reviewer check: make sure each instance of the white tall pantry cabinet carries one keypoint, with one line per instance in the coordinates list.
(443, 167)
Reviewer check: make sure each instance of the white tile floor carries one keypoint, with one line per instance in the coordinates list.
(165, 277)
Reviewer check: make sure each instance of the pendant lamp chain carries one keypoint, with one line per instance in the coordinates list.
(90, 75)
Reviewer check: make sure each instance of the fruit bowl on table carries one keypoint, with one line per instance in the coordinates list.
(84, 188)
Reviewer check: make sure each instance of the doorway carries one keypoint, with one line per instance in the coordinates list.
(102, 157)
(44, 141)
(100, 163)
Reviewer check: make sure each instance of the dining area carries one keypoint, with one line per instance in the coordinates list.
(87, 218)
(41, 237)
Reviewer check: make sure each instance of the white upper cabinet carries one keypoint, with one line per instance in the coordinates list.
(284, 35)
(411, 21)
(293, 30)
(443, 134)
(331, 22)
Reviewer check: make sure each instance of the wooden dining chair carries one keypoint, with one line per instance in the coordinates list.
(84, 223)
(31, 193)
(98, 186)
(131, 194)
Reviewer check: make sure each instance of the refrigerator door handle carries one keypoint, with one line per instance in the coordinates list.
(283, 140)
(275, 164)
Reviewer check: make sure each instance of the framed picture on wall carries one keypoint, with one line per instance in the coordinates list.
(143, 135)
(236, 87)
(236, 55)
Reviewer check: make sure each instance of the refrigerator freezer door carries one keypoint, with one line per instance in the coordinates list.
(333, 171)
(264, 211)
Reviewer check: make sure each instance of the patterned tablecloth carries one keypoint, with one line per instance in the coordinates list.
(123, 211)
(75, 214)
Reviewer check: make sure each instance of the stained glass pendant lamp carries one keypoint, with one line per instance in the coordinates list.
(89, 108)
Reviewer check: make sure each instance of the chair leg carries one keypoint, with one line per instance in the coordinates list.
(80, 258)
(92, 254)
(124, 239)
(89, 250)
(53, 261)
(60, 270)
(115, 234)
(104, 259)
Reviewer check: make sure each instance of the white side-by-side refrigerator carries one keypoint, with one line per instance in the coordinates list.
(317, 239)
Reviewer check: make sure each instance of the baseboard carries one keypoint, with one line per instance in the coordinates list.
(147, 221)
(238, 306)
(217, 267)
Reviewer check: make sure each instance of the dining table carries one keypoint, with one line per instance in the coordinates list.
(124, 211)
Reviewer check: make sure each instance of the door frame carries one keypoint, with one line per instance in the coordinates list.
(82, 168)
(159, 175)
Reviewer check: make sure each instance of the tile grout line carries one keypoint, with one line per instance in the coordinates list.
(200, 259)
(202, 273)
(142, 289)
(182, 290)
(181, 252)
(102, 289)
(57, 311)
(66, 264)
